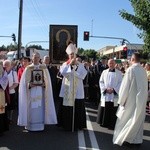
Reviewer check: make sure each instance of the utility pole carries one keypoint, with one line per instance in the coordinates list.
(20, 29)
(92, 28)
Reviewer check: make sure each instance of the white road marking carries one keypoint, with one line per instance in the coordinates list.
(81, 140)
(93, 140)
(88, 148)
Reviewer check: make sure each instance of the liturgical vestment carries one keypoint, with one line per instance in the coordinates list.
(36, 104)
(133, 96)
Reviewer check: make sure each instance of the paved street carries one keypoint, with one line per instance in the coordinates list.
(55, 138)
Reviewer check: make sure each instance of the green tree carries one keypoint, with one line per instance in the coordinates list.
(90, 53)
(80, 51)
(36, 47)
(141, 19)
(11, 47)
(87, 54)
(3, 48)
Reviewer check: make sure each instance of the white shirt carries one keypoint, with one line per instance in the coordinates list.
(12, 78)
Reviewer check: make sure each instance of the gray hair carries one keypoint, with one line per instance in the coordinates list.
(6, 62)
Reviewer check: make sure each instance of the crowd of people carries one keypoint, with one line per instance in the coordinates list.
(48, 94)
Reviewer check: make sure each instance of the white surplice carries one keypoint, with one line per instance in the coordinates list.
(36, 105)
(110, 80)
(133, 96)
(72, 83)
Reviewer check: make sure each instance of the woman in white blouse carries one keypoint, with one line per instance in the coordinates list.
(13, 83)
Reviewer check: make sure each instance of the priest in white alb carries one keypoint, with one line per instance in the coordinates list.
(133, 96)
(36, 103)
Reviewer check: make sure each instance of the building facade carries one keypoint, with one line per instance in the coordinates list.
(120, 52)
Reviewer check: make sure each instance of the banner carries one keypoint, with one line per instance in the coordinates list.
(60, 36)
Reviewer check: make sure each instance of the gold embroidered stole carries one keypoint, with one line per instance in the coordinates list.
(44, 93)
(29, 78)
(2, 102)
(2, 94)
(69, 92)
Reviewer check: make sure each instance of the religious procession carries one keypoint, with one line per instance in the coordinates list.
(43, 94)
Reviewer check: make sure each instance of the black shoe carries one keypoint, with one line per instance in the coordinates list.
(136, 144)
(103, 126)
(110, 128)
(132, 144)
(1, 134)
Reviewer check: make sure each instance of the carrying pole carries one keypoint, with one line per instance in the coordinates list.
(73, 113)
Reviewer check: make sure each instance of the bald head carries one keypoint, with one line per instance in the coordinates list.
(46, 60)
(36, 58)
(111, 63)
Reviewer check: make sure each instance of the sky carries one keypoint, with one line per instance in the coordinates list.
(99, 17)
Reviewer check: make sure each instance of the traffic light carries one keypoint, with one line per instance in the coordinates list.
(124, 52)
(125, 48)
(13, 37)
(86, 35)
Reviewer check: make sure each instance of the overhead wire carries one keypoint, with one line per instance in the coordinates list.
(43, 17)
(36, 15)
(37, 10)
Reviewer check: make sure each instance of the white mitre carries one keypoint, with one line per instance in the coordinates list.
(71, 48)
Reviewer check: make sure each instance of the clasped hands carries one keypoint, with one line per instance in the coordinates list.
(109, 90)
